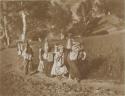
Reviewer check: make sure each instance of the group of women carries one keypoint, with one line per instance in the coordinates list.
(60, 61)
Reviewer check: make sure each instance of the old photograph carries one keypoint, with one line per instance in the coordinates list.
(62, 48)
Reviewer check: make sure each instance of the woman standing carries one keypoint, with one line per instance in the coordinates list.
(28, 57)
(58, 67)
(49, 62)
(72, 59)
(41, 65)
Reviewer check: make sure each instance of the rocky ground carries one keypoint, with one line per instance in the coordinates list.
(14, 83)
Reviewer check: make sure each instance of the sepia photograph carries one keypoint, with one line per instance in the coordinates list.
(62, 48)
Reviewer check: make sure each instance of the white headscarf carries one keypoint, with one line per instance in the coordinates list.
(75, 50)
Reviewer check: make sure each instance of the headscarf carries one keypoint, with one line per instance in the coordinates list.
(75, 46)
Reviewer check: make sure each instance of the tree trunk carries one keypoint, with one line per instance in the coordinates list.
(6, 35)
(2, 36)
(23, 15)
(5, 31)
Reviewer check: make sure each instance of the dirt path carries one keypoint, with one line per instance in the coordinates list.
(15, 83)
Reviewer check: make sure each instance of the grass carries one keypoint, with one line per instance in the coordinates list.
(105, 58)
(104, 61)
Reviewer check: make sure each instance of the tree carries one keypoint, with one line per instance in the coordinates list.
(5, 35)
(84, 13)
(23, 14)
(89, 12)
(1, 25)
(60, 18)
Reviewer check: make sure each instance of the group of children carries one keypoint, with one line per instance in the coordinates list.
(60, 61)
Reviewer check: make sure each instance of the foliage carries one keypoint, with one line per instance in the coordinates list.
(44, 17)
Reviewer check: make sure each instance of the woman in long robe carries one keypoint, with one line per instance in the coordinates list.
(41, 65)
(28, 57)
(72, 60)
(49, 62)
(58, 67)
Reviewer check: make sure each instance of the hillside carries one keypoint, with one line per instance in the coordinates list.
(105, 56)
(97, 24)
(102, 72)
(109, 24)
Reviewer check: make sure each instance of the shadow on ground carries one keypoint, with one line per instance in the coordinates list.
(88, 68)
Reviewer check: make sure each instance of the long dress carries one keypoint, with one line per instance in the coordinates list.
(73, 64)
(19, 48)
(41, 65)
(45, 62)
(28, 56)
(66, 52)
(58, 67)
(48, 63)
